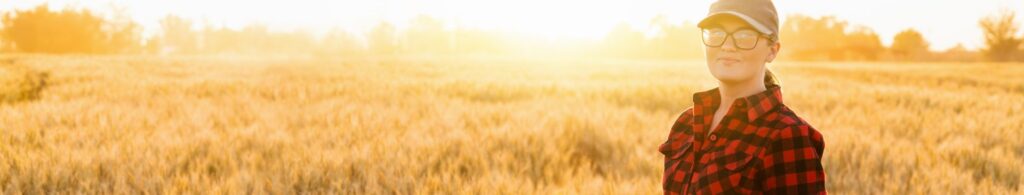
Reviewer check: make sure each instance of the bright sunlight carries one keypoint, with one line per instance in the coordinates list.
(506, 97)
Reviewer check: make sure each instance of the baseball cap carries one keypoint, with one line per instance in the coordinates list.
(760, 14)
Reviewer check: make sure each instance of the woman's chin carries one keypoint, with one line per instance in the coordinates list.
(728, 78)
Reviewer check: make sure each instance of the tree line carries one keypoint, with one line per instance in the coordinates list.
(43, 30)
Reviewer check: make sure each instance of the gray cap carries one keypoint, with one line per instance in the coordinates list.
(760, 14)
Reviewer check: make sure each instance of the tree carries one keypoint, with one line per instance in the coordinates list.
(382, 39)
(807, 38)
(338, 42)
(124, 34)
(4, 45)
(1001, 40)
(476, 41)
(41, 30)
(177, 35)
(623, 41)
(862, 43)
(957, 53)
(909, 45)
(673, 41)
(426, 35)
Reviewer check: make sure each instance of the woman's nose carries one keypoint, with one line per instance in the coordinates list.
(729, 44)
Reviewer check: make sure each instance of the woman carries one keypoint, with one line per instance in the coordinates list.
(739, 138)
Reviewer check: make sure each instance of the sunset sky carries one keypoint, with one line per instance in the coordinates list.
(943, 22)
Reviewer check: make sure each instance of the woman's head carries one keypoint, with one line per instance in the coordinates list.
(739, 38)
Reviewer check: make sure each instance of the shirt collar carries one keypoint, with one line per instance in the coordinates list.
(755, 105)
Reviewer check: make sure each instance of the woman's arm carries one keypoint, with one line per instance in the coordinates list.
(792, 163)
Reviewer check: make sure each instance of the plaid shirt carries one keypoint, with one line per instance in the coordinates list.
(759, 147)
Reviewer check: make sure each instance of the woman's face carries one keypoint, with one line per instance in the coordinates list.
(730, 64)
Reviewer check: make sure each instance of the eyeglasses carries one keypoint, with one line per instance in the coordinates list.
(745, 39)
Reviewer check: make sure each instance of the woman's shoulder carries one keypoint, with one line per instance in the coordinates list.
(686, 115)
(680, 134)
(683, 124)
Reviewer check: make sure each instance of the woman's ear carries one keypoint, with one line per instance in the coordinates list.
(774, 53)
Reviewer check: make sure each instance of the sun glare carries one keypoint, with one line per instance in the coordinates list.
(559, 19)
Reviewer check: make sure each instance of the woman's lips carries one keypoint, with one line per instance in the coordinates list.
(728, 60)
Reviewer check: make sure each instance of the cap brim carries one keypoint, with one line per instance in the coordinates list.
(757, 25)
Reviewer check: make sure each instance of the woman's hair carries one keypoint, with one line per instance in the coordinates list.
(769, 78)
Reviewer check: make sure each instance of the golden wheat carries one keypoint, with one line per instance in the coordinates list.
(476, 125)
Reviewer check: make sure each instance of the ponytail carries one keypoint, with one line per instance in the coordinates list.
(769, 79)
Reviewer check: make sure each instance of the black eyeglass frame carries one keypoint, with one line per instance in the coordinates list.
(728, 35)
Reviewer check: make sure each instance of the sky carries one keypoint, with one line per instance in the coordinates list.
(944, 23)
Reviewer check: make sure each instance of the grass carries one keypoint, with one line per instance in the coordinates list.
(477, 125)
(19, 83)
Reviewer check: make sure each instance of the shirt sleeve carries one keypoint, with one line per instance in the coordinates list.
(677, 134)
(792, 162)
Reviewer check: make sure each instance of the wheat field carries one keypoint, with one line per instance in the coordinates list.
(473, 125)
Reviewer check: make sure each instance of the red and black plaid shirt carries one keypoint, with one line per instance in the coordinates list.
(759, 147)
